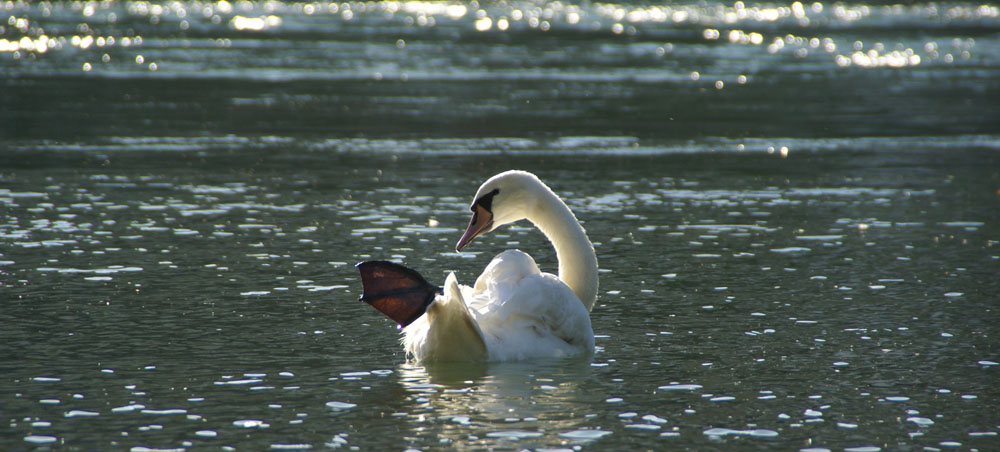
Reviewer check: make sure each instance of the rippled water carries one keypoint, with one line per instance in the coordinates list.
(795, 209)
(747, 301)
(218, 73)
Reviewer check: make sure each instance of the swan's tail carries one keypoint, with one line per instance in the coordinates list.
(447, 332)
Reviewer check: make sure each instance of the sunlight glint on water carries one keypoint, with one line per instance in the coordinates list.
(793, 204)
(273, 302)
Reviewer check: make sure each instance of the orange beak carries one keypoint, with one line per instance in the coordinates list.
(482, 221)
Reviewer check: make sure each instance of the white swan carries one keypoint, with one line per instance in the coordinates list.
(514, 311)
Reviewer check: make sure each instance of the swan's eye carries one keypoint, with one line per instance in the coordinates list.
(486, 201)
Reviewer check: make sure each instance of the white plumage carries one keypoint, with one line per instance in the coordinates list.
(514, 311)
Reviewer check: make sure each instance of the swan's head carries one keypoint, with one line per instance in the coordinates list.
(502, 199)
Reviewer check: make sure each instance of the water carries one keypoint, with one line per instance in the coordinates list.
(801, 257)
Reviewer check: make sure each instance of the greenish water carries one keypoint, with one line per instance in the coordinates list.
(804, 259)
(162, 299)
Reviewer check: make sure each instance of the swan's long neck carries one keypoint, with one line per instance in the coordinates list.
(577, 259)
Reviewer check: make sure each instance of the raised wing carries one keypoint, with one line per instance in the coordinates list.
(396, 291)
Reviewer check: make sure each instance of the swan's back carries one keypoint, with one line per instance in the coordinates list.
(525, 314)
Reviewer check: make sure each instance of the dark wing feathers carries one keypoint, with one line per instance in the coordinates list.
(396, 291)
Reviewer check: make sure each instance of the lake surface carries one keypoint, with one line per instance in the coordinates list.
(795, 207)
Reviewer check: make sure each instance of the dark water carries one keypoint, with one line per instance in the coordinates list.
(795, 208)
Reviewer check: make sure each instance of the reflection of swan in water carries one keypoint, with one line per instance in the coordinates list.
(513, 311)
(539, 399)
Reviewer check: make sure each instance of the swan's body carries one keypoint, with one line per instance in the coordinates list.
(514, 311)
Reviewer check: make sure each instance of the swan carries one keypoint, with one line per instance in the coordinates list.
(513, 311)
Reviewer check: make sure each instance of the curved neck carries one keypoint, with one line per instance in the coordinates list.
(575, 253)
